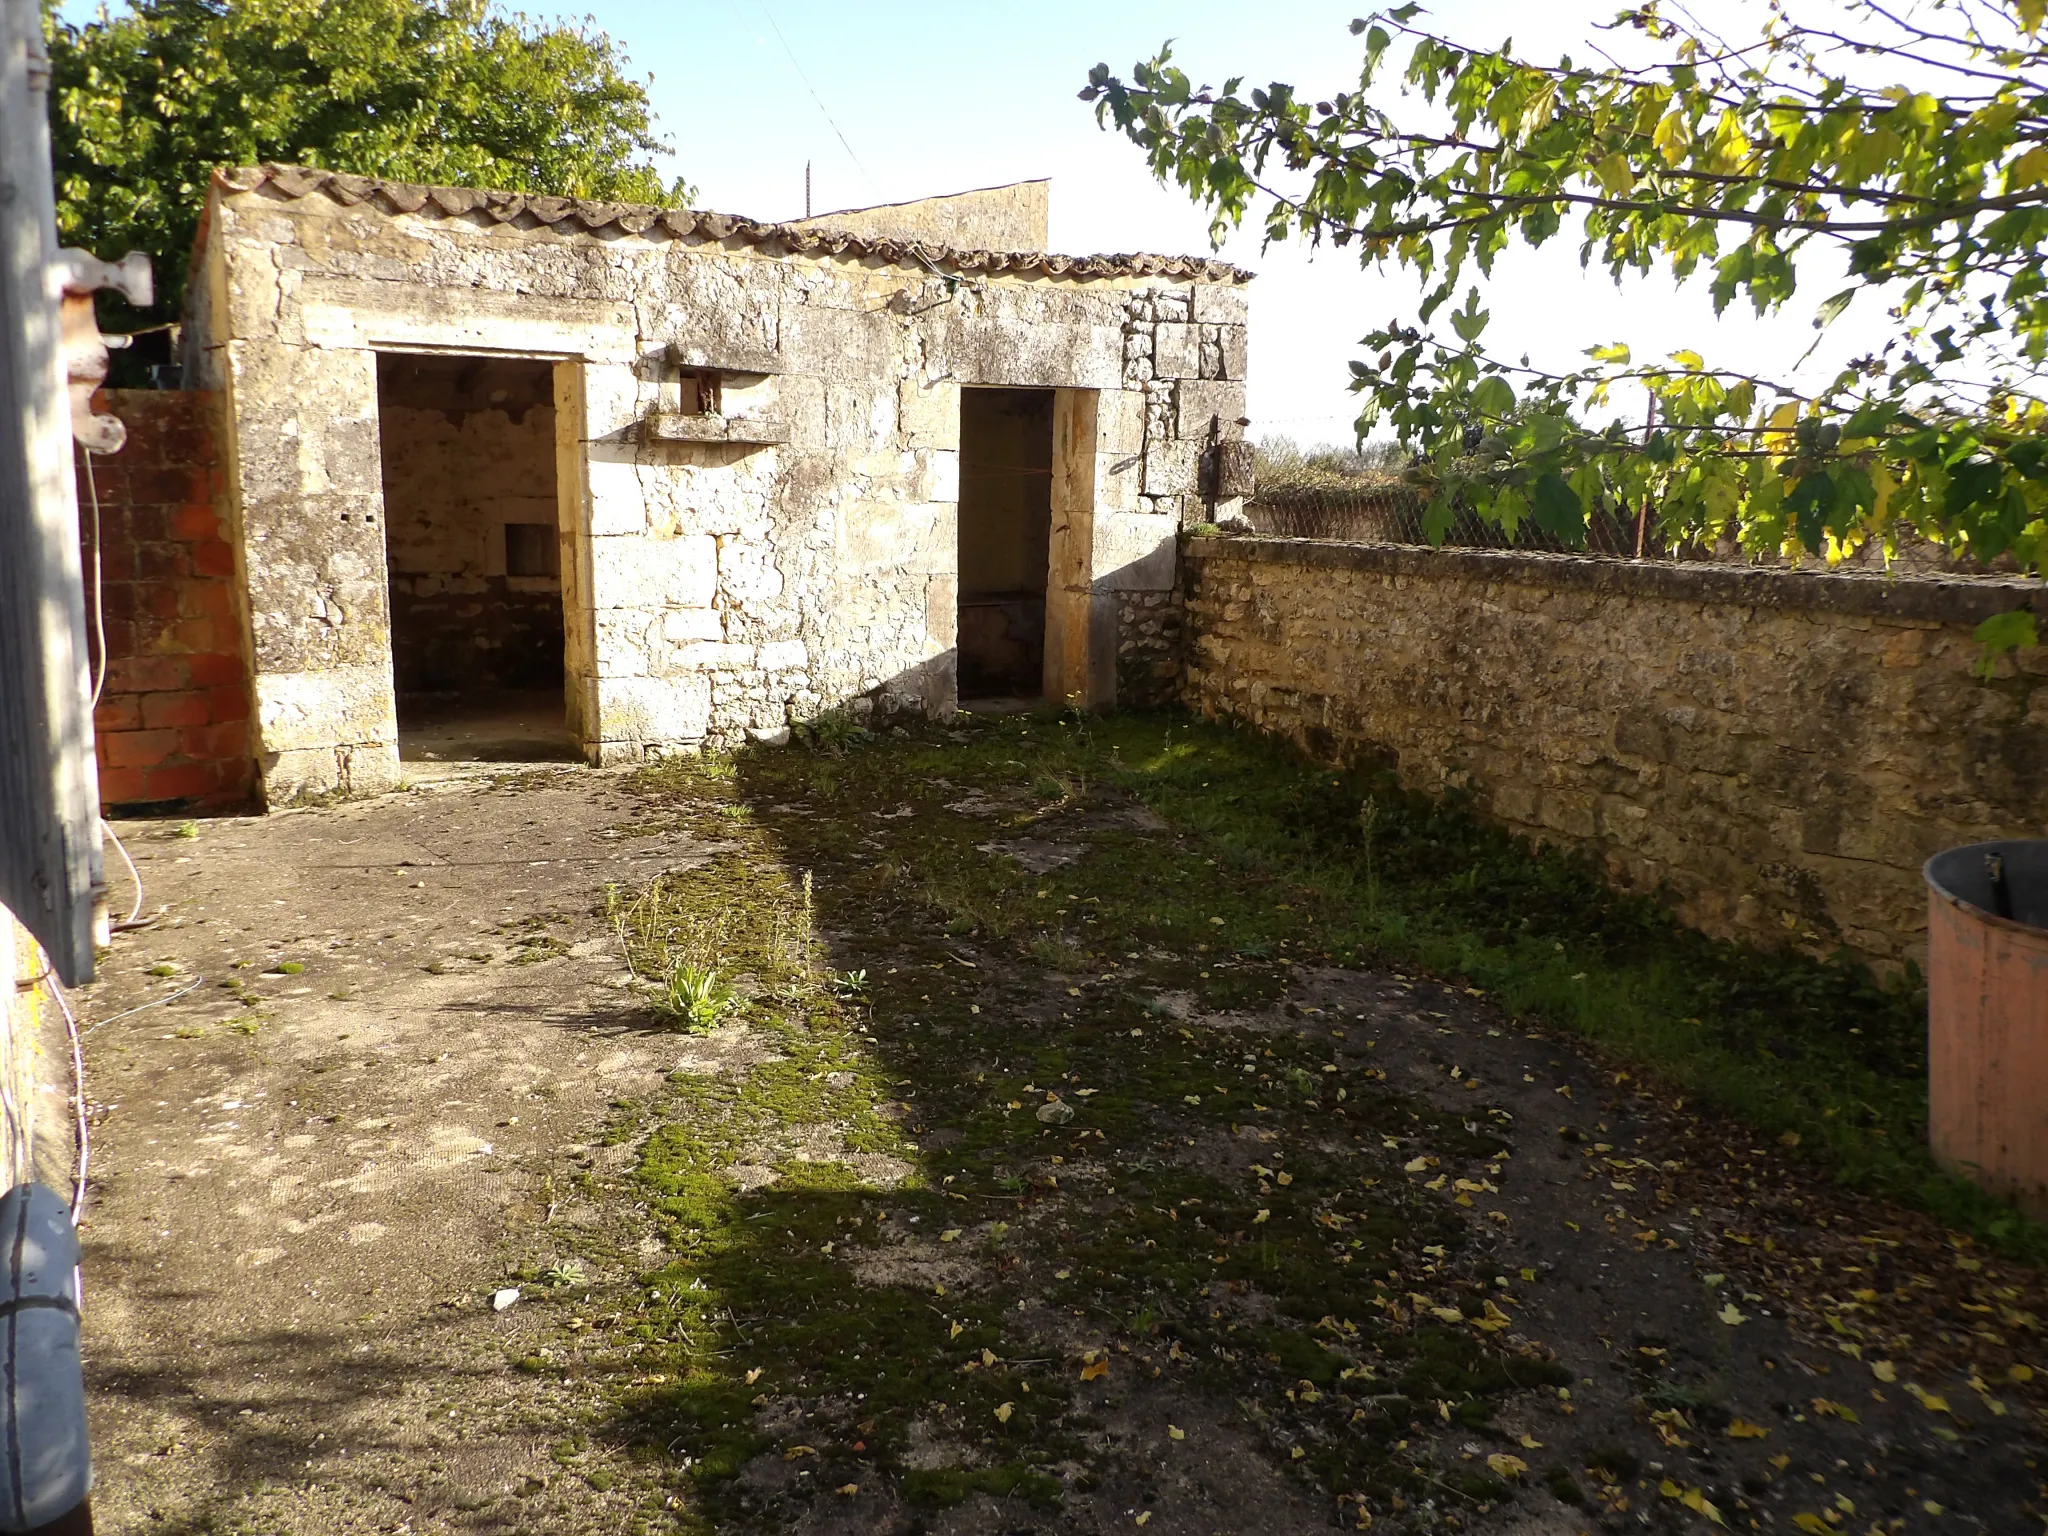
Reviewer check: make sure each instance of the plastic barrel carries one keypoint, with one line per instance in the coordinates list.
(1987, 1017)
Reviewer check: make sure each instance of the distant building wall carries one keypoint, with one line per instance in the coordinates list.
(1779, 749)
(172, 725)
(1008, 218)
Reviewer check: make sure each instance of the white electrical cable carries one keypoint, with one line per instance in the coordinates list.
(133, 919)
(78, 1099)
(99, 606)
(155, 1002)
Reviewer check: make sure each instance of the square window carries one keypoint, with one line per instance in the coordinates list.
(531, 550)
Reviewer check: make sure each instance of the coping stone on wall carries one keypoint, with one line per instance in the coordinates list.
(1877, 595)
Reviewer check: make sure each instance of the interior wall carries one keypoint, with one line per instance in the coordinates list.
(468, 447)
(1005, 538)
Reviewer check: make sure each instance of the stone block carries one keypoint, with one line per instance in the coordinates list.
(1220, 304)
(1176, 352)
(653, 574)
(1134, 551)
(928, 413)
(1171, 467)
(640, 712)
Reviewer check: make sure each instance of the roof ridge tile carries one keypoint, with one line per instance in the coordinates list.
(296, 182)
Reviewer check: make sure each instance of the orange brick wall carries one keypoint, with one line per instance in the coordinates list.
(173, 718)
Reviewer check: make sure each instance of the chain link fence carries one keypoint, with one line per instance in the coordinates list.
(1390, 512)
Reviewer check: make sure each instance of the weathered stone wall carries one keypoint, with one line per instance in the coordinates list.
(1780, 749)
(714, 590)
(172, 727)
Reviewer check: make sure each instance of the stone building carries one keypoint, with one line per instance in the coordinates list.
(697, 478)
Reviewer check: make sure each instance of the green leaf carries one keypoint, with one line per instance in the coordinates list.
(1559, 512)
(1493, 398)
(2000, 633)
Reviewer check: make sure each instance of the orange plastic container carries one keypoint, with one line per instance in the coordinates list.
(1987, 1017)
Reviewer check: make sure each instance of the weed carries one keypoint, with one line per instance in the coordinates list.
(187, 829)
(695, 997)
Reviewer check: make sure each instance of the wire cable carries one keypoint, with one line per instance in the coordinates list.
(155, 1002)
(83, 1135)
(133, 919)
(99, 605)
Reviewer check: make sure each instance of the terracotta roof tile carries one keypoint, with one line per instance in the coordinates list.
(573, 214)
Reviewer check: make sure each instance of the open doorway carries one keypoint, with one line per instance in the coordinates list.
(1005, 539)
(474, 554)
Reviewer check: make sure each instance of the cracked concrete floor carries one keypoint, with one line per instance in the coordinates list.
(311, 1170)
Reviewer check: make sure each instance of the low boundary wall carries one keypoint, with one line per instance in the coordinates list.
(1780, 749)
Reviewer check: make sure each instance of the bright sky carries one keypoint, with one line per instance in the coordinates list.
(932, 97)
(896, 99)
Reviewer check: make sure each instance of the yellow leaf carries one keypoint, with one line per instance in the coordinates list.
(1732, 1315)
(1781, 1462)
(1673, 137)
(1884, 1370)
(1613, 172)
(1448, 1314)
(951, 1234)
(2029, 170)
(848, 1490)
(1506, 1466)
(1173, 1433)
(1262, 1216)
(799, 1450)
(1419, 1165)
(1283, 1179)
(1493, 1321)
(2020, 1373)
(1095, 1370)
(1933, 1402)
(1742, 1429)
(1813, 1525)
(1829, 1410)
(1143, 1516)
(958, 1329)
(1003, 1412)
(754, 1375)
(988, 1357)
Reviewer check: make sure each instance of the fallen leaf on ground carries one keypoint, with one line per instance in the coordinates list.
(1884, 1370)
(1506, 1466)
(1732, 1315)
(1173, 1433)
(1003, 1412)
(1742, 1429)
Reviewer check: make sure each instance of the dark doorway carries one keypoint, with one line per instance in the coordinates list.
(1005, 537)
(473, 549)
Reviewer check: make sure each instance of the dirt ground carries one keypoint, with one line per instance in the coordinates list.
(947, 1225)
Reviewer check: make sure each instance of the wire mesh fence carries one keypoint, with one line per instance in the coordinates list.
(1391, 512)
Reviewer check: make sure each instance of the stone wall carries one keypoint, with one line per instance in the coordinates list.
(714, 590)
(1780, 750)
(172, 726)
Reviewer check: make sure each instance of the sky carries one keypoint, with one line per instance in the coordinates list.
(895, 99)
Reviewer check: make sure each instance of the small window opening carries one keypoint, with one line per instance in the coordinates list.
(531, 549)
(701, 393)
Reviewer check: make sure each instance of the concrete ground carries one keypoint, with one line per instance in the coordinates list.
(312, 1169)
(393, 1039)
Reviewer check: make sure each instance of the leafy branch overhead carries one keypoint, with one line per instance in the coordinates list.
(1698, 155)
(147, 102)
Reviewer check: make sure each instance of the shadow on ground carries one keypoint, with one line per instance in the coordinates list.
(1054, 1150)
